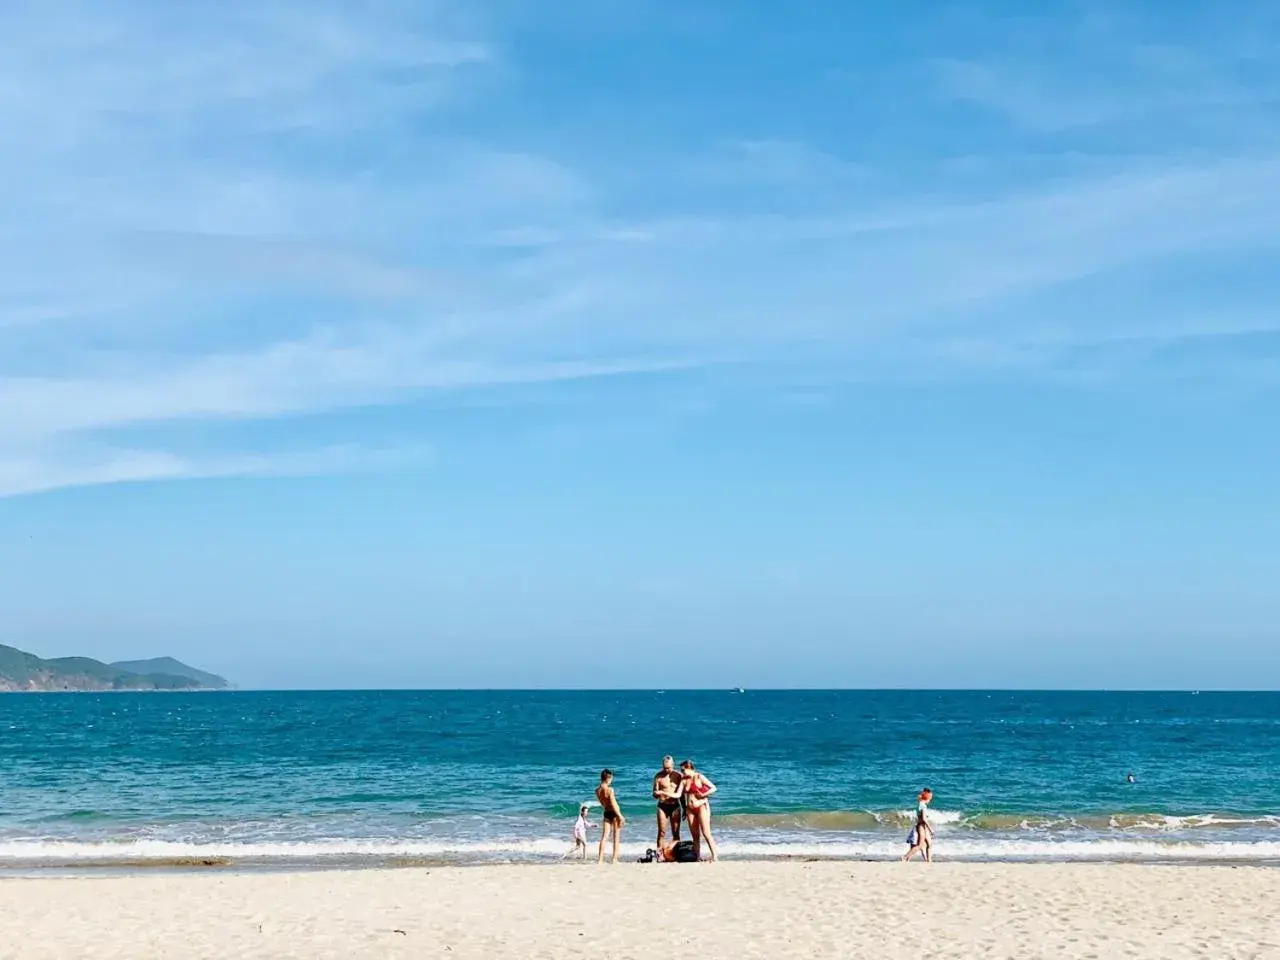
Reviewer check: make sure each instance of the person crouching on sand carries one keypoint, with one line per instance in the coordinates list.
(920, 840)
(613, 818)
(580, 828)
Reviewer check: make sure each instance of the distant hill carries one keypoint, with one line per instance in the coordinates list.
(22, 671)
(172, 668)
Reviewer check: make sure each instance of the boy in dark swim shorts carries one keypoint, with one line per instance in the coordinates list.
(612, 818)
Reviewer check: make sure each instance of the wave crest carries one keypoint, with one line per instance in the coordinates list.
(840, 820)
(166, 853)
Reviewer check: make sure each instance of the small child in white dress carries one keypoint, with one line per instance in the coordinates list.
(580, 828)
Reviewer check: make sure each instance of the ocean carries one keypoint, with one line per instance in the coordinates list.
(324, 778)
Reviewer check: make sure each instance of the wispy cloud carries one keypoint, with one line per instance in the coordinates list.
(244, 212)
(1167, 77)
(86, 465)
(130, 72)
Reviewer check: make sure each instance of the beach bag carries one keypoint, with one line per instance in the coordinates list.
(682, 852)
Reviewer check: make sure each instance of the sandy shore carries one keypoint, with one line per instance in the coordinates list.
(729, 910)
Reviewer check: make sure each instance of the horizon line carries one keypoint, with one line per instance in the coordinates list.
(664, 690)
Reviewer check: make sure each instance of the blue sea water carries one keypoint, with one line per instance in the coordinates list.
(326, 777)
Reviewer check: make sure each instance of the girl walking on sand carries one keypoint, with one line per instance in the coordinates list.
(920, 839)
(580, 828)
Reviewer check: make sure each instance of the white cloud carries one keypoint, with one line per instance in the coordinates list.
(1164, 77)
(307, 376)
(76, 72)
(250, 211)
(92, 466)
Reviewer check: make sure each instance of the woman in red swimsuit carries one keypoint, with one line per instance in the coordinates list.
(696, 791)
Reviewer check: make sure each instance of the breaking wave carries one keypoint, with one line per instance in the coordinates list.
(547, 849)
(838, 820)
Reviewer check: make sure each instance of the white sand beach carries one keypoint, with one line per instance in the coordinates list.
(729, 910)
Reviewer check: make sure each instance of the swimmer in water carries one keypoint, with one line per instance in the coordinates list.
(1130, 778)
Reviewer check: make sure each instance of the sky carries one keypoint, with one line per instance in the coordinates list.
(422, 343)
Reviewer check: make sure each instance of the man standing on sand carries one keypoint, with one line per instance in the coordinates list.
(666, 790)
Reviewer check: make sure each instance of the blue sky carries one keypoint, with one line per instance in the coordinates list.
(612, 344)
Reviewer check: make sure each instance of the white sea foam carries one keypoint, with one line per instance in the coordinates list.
(936, 817)
(553, 848)
(175, 850)
(1190, 822)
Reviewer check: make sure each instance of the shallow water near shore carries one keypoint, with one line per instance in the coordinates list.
(470, 777)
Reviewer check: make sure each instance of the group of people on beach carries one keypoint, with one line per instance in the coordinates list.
(682, 796)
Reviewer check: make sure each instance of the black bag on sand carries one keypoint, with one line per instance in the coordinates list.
(683, 852)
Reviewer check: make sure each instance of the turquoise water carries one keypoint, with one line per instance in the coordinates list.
(475, 776)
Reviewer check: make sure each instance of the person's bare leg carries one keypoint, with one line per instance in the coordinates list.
(663, 820)
(704, 830)
(705, 827)
(617, 840)
(604, 833)
(695, 832)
